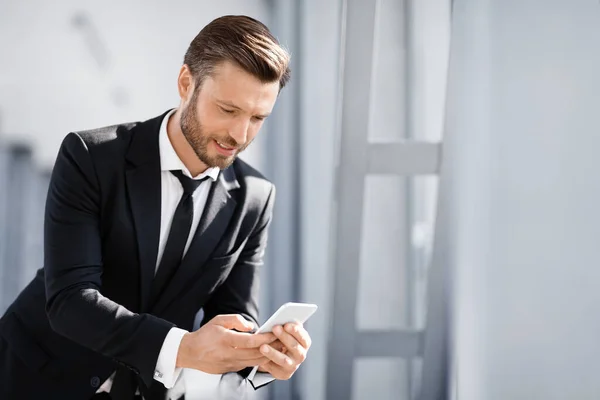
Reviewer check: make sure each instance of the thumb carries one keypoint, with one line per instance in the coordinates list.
(233, 321)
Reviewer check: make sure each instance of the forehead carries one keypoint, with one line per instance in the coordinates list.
(230, 83)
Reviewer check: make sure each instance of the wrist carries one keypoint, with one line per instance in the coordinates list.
(183, 353)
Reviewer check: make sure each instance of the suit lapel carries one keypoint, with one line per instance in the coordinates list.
(144, 190)
(217, 213)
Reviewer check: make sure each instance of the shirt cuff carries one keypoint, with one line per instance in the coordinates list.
(165, 371)
(259, 379)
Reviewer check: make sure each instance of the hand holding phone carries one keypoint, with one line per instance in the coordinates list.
(287, 313)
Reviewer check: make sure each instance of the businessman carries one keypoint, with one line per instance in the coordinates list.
(145, 224)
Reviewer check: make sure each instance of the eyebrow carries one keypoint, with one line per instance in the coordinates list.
(228, 104)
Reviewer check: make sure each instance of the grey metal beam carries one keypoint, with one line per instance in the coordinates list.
(434, 382)
(33, 221)
(404, 158)
(404, 344)
(4, 228)
(358, 31)
(20, 174)
(283, 167)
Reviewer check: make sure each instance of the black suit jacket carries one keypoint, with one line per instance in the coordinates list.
(88, 310)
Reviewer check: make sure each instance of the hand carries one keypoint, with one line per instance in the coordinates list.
(283, 363)
(216, 349)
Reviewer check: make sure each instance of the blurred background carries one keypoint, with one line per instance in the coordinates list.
(435, 163)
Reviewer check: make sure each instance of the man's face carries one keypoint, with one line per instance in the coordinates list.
(225, 113)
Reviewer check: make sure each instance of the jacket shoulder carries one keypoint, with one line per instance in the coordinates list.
(250, 177)
(257, 188)
(108, 134)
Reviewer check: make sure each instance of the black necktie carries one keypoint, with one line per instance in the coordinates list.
(178, 235)
(124, 384)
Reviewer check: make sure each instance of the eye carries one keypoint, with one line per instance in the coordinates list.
(259, 118)
(227, 111)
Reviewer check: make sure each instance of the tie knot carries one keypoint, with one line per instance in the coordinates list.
(189, 185)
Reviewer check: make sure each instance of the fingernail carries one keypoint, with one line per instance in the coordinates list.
(289, 328)
(288, 361)
(277, 330)
(265, 349)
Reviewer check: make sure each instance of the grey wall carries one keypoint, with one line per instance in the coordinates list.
(319, 102)
(523, 128)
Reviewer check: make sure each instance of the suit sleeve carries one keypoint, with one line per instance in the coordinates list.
(73, 268)
(239, 294)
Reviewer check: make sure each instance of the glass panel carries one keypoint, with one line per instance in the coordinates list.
(382, 289)
(423, 207)
(398, 226)
(381, 379)
(388, 101)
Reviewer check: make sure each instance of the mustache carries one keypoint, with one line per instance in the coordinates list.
(229, 142)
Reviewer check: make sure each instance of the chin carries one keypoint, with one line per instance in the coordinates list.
(221, 162)
(227, 163)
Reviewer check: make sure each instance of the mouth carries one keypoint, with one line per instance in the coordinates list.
(224, 149)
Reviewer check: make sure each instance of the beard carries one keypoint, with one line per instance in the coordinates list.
(196, 136)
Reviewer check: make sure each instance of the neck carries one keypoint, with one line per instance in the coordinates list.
(184, 150)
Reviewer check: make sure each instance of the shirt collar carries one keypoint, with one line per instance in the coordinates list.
(169, 160)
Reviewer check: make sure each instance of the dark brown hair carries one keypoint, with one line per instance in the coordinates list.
(243, 41)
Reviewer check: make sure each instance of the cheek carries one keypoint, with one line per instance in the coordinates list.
(214, 126)
(211, 120)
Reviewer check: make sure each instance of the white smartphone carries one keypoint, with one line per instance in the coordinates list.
(288, 312)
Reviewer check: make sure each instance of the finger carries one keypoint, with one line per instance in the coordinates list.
(277, 345)
(243, 358)
(278, 357)
(301, 335)
(276, 371)
(267, 367)
(246, 341)
(253, 362)
(233, 321)
(296, 350)
(246, 354)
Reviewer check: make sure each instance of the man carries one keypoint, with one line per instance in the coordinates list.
(145, 224)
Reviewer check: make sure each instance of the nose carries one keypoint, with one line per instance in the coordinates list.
(239, 130)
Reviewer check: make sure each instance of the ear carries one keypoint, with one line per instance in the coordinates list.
(185, 83)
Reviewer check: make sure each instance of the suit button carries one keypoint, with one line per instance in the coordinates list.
(95, 382)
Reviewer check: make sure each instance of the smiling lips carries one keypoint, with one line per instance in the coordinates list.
(224, 149)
